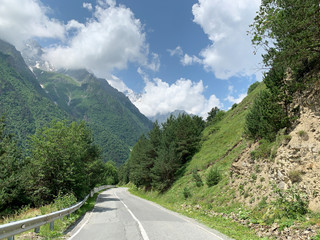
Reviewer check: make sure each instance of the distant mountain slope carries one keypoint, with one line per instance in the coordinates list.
(116, 123)
(76, 95)
(22, 100)
(161, 118)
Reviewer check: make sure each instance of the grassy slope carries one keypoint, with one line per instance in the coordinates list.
(221, 144)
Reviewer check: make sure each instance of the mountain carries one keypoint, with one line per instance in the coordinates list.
(115, 122)
(22, 100)
(161, 118)
(31, 97)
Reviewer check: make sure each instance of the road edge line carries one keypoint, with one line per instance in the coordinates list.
(142, 230)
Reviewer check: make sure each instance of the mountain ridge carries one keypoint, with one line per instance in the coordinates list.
(74, 95)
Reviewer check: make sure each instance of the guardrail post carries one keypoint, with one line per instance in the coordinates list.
(51, 226)
(11, 238)
(37, 230)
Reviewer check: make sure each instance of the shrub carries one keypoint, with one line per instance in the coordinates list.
(295, 176)
(303, 135)
(252, 87)
(266, 117)
(290, 204)
(213, 177)
(197, 178)
(186, 193)
(64, 201)
(263, 150)
(234, 106)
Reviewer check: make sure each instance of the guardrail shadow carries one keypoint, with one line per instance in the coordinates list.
(103, 209)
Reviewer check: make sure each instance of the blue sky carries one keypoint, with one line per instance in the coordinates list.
(165, 55)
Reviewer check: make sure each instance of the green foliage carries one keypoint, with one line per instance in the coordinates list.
(64, 201)
(288, 30)
(252, 87)
(213, 177)
(64, 160)
(234, 106)
(22, 100)
(265, 118)
(12, 172)
(186, 193)
(263, 150)
(295, 176)
(290, 204)
(111, 173)
(141, 163)
(215, 115)
(197, 178)
(157, 159)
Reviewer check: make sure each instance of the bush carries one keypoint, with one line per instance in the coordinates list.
(234, 106)
(213, 177)
(186, 193)
(252, 87)
(197, 178)
(266, 117)
(62, 202)
(295, 176)
(290, 204)
(303, 135)
(262, 151)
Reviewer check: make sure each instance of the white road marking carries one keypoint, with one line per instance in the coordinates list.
(143, 232)
(178, 215)
(81, 226)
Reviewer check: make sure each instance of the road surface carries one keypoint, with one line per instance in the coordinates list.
(118, 215)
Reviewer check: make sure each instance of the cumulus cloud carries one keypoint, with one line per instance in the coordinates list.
(161, 97)
(185, 59)
(87, 6)
(238, 99)
(226, 23)
(108, 41)
(176, 52)
(189, 60)
(25, 19)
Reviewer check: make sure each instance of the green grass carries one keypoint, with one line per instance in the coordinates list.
(225, 226)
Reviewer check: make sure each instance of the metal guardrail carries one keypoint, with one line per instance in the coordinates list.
(10, 229)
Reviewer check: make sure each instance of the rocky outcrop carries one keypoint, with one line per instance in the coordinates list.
(297, 161)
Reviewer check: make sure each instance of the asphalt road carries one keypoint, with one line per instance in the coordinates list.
(118, 215)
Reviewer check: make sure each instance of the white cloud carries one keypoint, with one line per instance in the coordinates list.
(226, 23)
(108, 41)
(176, 52)
(232, 99)
(185, 59)
(189, 60)
(21, 20)
(87, 6)
(161, 97)
(154, 65)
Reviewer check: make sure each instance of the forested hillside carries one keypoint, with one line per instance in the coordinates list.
(22, 100)
(115, 122)
(76, 95)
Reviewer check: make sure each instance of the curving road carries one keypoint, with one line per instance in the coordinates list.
(118, 215)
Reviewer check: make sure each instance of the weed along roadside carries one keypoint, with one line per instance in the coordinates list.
(53, 224)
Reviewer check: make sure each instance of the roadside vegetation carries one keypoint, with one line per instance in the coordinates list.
(60, 225)
(61, 161)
